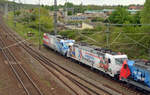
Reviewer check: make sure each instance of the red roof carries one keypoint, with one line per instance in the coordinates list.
(135, 7)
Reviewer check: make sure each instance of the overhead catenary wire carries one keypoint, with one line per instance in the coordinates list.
(127, 24)
(136, 42)
(116, 38)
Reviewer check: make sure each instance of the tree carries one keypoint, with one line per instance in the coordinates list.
(119, 16)
(69, 5)
(146, 13)
(145, 19)
(46, 21)
(2, 1)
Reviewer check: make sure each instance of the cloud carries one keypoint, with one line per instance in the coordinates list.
(85, 2)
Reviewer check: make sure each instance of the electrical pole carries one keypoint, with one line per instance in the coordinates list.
(14, 14)
(6, 9)
(20, 4)
(107, 35)
(66, 11)
(55, 17)
(39, 28)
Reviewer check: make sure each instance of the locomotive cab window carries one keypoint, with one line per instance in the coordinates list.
(119, 60)
(147, 63)
(125, 66)
(109, 61)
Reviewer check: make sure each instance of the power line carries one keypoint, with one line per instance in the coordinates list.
(127, 24)
(116, 39)
(136, 42)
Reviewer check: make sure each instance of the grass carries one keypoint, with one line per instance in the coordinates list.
(23, 30)
(2, 84)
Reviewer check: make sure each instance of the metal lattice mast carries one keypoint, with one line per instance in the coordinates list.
(55, 17)
(14, 13)
(6, 9)
(39, 27)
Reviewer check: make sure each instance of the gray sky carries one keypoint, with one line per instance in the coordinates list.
(85, 2)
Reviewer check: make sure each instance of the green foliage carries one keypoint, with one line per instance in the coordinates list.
(136, 18)
(32, 20)
(98, 28)
(22, 30)
(128, 29)
(17, 13)
(145, 19)
(119, 16)
(146, 13)
(98, 19)
(68, 33)
(70, 13)
(69, 5)
(28, 21)
(1, 1)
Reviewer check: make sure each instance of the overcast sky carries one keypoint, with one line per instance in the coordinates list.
(85, 2)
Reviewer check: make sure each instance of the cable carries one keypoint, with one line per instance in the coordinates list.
(136, 42)
(116, 38)
(126, 24)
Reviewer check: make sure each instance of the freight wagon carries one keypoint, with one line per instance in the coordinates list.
(57, 43)
(98, 58)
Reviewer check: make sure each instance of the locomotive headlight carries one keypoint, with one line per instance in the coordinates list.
(44, 34)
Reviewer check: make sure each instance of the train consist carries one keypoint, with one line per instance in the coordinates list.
(114, 64)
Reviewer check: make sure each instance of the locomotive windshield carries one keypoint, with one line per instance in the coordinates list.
(120, 60)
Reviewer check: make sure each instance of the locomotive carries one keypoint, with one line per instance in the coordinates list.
(57, 43)
(137, 73)
(98, 58)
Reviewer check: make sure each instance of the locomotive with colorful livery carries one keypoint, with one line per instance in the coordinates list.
(57, 43)
(98, 58)
(136, 73)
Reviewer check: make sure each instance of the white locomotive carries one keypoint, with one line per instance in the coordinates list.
(97, 58)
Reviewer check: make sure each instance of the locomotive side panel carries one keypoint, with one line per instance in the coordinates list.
(52, 42)
(93, 59)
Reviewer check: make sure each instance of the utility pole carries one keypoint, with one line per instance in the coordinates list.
(55, 17)
(14, 14)
(20, 4)
(107, 35)
(6, 9)
(39, 28)
(66, 11)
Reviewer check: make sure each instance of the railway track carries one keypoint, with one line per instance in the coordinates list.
(27, 83)
(77, 87)
(71, 80)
